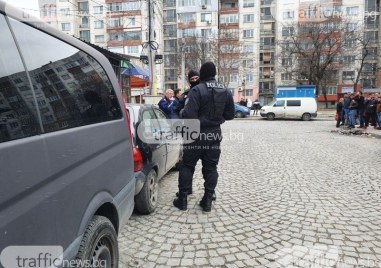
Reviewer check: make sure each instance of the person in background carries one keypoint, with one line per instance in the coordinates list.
(256, 106)
(378, 111)
(339, 110)
(167, 103)
(242, 102)
(360, 108)
(177, 106)
(249, 104)
(347, 103)
(353, 111)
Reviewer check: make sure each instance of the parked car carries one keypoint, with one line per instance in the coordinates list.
(66, 162)
(152, 159)
(241, 111)
(302, 108)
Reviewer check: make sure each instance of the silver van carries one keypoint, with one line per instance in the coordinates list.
(66, 163)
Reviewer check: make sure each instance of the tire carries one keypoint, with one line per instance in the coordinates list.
(146, 200)
(306, 117)
(99, 245)
(238, 115)
(270, 116)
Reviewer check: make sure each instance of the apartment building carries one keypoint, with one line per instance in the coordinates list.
(243, 37)
(119, 26)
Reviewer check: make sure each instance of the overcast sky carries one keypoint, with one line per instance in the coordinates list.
(30, 6)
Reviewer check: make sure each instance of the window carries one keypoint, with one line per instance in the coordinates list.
(170, 30)
(352, 11)
(186, 17)
(206, 2)
(130, 22)
(114, 22)
(349, 59)
(126, 6)
(87, 99)
(170, 15)
(187, 3)
(288, 15)
(248, 93)
(65, 12)
(83, 6)
(286, 61)
(133, 49)
(65, 26)
(248, 48)
(234, 78)
(351, 27)
(279, 103)
(332, 90)
(249, 78)
(205, 17)
(348, 75)
(248, 33)
(248, 3)
(17, 102)
(286, 76)
(293, 103)
(247, 63)
(187, 32)
(84, 35)
(230, 18)
(132, 35)
(98, 9)
(287, 31)
(248, 18)
(98, 24)
(206, 32)
(99, 38)
(371, 36)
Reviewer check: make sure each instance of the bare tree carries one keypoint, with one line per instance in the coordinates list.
(314, 49)
(224, 49)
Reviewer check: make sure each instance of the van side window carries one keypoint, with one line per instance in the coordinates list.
(18, 114)
(279, 103)
(293, 103)
(71, 87)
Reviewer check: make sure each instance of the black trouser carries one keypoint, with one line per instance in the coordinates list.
(207, 148)
(372, 116)
(340, 118)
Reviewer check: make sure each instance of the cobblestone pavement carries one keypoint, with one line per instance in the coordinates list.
(290, 194)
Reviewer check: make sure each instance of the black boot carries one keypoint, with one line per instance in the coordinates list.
(190, 191)
(181, 202)
(206, 202)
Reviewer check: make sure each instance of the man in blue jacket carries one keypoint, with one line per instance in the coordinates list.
(211, 103)
(168, 103)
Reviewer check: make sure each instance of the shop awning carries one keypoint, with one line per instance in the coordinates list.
(139, 76)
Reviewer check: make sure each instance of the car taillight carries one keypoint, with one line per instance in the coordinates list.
(138, 159)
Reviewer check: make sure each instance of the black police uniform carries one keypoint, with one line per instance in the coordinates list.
(212, 104)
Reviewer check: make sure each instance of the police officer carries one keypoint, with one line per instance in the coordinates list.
(212, 104)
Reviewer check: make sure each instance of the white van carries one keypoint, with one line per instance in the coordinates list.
(303, 108)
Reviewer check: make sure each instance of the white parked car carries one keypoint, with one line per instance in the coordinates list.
(303, 108)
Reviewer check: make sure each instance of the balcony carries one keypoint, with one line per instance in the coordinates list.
(266, 47)
(267, 17)
(267, 62)
(266, 2)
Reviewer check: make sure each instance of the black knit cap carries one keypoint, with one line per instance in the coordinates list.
(192, 73)
(208, 69)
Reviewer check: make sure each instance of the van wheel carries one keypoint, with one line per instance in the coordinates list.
(238, 114)
(270, 116)
(99, 245)
(146, 200)
(306, 117)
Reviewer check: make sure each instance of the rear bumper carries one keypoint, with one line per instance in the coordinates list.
(140, 179)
